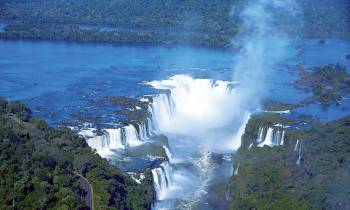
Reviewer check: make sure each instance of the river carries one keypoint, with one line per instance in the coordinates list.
(60, 81)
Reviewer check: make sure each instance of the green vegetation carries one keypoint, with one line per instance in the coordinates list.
(270, 105)
(74, 33)
(269, 178)
(148, 22)
(185, 15)
(327, 83)
(203, 22)
(323, 18)
(38, 167)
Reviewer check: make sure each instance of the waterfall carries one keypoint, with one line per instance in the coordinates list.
(161, 110)
(278, 137)
(273, 137)
(237, 139)
(296, 145)
(131, 136)
(192, 106)
(297, 148)
(110, 139)
(143, 132)
(168, 154)
(114, 138)
(150, 129)
(162, 178)
(282, 138)
(261, 135)
(268, 138)
(206, 117)
(236, 169)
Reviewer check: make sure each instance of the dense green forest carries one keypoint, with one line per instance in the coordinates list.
(276, 178)
(39, 168)
(270, 178)
(148, 22)
(189, 15)
(206, 23)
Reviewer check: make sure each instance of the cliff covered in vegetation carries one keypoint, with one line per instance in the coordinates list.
(40, 168)
(308, 170)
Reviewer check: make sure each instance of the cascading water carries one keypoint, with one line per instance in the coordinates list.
(260, 135)
(200, 117)
(143, 131)
(273, 137)
(297, 148)
(192, 105)
(162, 177)
(168, 153)
(299, 156)
(131, 137)
(204, 116)
(236, 169)
(296, 145)
(161, 110)
(107, 140)
(236, 143)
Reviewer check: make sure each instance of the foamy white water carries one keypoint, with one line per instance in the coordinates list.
(108, 140)
(194, 105)
(201, 117)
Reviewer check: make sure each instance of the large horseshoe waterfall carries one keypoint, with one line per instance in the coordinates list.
(175, 104)
(187, 113)
(203, 119)
(199, 135)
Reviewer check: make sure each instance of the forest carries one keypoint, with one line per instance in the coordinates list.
(199, 23)
(272, 178)
(39, 168)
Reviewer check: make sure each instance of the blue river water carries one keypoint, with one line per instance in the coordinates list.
(70, 83)
(58, 79)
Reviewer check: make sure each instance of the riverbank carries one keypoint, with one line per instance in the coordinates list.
(196, 23)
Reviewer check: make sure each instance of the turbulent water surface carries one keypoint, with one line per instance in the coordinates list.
(195, 103)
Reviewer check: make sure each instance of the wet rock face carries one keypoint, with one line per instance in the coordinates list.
(125, 110)
(134, 110)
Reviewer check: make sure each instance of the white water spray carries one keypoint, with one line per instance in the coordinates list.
(213, 114)
(193, 106)
(107, 140)
(264, 46)
(274, 136)
(163, 180)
